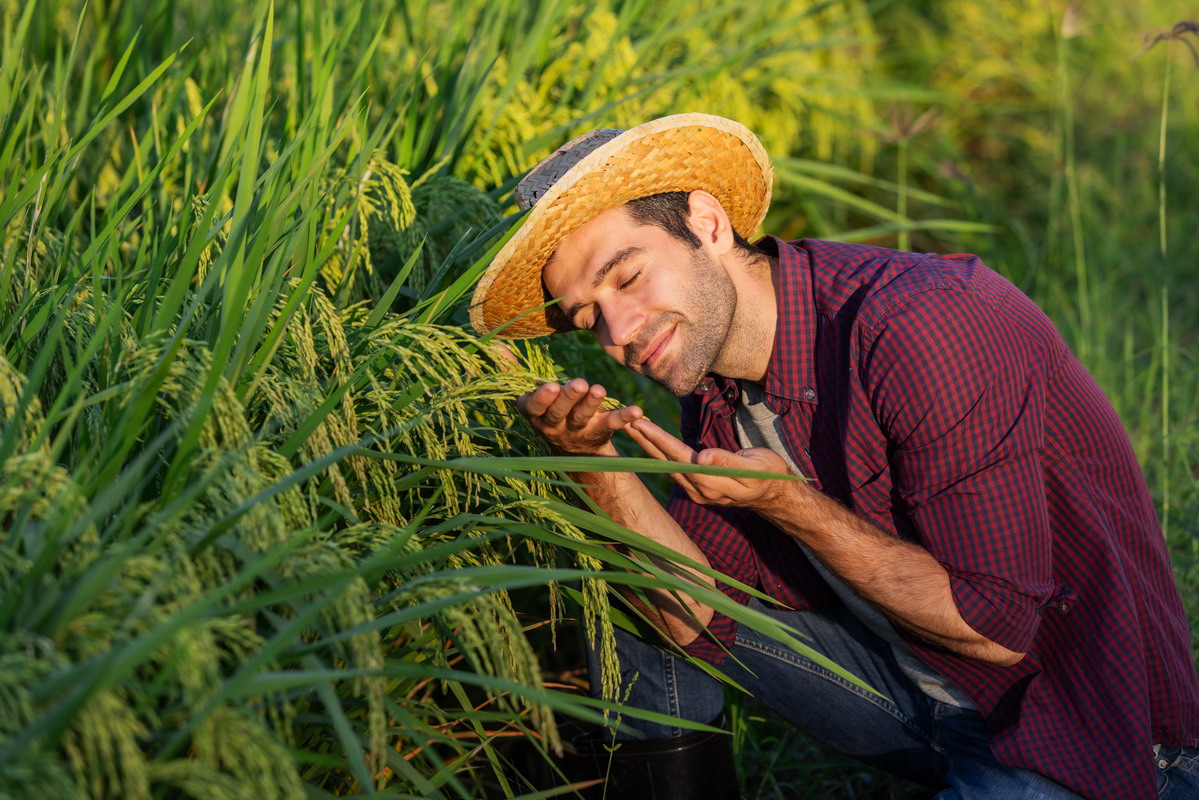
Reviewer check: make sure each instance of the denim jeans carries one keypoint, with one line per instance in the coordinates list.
(906, 733)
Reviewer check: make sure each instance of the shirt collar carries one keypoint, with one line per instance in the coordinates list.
(792, 370)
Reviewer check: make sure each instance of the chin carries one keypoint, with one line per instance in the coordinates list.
(683, 390)
(691, 356)
(681, 385)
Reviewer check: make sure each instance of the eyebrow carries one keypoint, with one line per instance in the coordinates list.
(618, 258)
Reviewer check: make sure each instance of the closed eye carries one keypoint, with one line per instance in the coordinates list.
(631, 280)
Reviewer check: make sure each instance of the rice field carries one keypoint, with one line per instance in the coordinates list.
(269, 524)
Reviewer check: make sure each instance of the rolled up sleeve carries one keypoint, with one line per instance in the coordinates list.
(716, 532)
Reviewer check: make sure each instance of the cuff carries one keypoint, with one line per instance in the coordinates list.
(713, 644)
(992, 609)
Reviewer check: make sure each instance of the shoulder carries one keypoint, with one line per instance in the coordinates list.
(958, 299)
(930, 285)
(865, 284)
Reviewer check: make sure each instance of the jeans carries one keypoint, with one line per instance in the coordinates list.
(906, 733)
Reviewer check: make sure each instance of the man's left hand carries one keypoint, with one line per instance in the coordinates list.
(757, 493)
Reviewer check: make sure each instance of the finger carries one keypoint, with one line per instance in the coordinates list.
(537, 401)
(671, 447)
(758, 458)
(507, 359)
(646, 444)
(621, 417)
(714, 457)
(585, 408)
(571, 393)
(684, 480)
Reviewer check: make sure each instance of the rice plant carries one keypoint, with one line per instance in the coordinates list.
(260, 527)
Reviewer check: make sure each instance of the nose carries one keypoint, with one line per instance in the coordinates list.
(623, 319)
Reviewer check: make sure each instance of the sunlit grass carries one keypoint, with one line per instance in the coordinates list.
(259, 539)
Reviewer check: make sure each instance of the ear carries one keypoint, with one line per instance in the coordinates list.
(709, 221)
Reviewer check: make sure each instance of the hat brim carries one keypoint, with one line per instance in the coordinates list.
(683, 152)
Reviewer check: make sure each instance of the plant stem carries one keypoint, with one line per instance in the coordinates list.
(1075, 206)
(905, 235)
(1165, 292)
(1161, 167)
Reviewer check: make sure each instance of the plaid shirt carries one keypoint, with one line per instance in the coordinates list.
(933, 398)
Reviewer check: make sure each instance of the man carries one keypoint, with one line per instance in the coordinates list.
(974, 538)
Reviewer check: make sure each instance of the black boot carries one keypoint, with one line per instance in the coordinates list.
(694, 766)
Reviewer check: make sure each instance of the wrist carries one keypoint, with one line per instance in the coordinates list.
(605, 450)
(786, 502)
(775, 499)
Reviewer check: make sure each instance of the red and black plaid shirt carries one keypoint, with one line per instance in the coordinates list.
(936, 400)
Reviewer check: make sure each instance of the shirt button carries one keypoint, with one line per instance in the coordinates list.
(809, 393)
(1063, 606)
(730, 395)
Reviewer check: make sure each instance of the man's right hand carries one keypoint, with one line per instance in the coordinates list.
(570, 419)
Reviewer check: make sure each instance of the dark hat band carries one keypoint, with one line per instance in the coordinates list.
(558, 163)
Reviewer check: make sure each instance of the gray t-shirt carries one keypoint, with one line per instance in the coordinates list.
(757, 427)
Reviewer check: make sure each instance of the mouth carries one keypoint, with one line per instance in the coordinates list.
(657, 348)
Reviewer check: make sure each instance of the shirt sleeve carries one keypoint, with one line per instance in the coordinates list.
(718, 532)
(957, 383)
(715, 530)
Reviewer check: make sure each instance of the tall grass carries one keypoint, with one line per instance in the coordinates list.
(259, 538)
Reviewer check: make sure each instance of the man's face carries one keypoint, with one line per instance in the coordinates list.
(655, 304)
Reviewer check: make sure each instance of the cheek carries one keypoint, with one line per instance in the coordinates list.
(660, 291)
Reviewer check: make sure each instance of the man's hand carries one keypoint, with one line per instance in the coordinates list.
(570, 419)
(903, 579)
(756, 493)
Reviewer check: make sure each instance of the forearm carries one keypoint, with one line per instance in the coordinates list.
(570, 419)
(902, 579)
(627, 500)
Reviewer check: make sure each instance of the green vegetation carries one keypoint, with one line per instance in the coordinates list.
(269, 526)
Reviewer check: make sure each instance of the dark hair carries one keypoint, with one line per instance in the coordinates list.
(669, 211)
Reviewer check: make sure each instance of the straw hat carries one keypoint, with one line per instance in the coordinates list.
(604, 169)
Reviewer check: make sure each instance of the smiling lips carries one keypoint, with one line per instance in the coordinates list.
(656, 349)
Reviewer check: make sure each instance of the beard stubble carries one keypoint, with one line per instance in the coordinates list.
(709, 301)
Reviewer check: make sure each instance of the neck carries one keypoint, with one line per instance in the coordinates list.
(746, 353)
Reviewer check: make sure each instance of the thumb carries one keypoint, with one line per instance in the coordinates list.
(715, 457)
